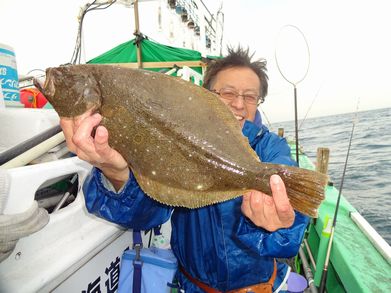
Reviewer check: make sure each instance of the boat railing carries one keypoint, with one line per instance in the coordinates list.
(189, 74)
(378, 241)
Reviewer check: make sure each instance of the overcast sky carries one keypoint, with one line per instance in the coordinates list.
(349, 43)
(350, 52)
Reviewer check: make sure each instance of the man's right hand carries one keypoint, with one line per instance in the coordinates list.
(95, 150)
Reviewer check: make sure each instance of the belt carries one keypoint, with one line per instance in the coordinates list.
(256, 288)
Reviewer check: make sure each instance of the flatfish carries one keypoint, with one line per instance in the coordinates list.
(182, 143)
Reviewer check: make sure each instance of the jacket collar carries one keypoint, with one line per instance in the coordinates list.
(253, 132)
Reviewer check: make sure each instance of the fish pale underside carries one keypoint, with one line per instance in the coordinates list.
(182, 143)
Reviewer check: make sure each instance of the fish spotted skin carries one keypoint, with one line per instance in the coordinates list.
(184, 146)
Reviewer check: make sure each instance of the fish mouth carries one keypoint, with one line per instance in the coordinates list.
(39, 83)
(45, 83)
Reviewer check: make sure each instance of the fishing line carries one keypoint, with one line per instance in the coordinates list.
(294, 83)
(309, 108)
(267, 119)
(327, 260)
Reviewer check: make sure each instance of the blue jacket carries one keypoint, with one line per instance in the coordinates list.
(215, 244)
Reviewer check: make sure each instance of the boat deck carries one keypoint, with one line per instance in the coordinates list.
(356, 264)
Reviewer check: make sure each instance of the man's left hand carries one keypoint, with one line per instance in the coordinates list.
(269, 212)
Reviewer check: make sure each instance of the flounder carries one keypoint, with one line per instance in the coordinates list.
(182, 143)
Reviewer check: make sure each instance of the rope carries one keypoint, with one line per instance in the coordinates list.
(15, 226)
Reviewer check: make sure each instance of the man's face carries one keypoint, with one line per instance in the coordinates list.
(238, 88)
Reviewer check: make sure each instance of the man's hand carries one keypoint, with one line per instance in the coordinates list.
(269, 212)
(95, 150)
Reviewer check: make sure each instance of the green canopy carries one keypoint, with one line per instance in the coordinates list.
(151, 52)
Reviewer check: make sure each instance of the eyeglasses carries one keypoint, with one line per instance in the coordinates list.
(229, 95)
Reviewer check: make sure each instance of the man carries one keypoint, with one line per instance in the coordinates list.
(228, 246)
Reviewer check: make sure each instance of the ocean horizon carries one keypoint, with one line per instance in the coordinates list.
(367, 184)
(303, 120)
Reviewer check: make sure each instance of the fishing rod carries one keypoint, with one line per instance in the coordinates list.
(327, 260)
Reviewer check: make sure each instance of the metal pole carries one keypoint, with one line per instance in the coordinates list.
(65, 196)
(309, 253)
(137, 33)
(307, 271)
(296, 127)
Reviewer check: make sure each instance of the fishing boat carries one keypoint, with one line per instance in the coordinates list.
(360, 259)
(69, 250)
(49, 242)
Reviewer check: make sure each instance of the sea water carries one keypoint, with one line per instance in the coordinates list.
(367, 184)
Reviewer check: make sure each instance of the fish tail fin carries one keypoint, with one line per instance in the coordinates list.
(305, 188)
